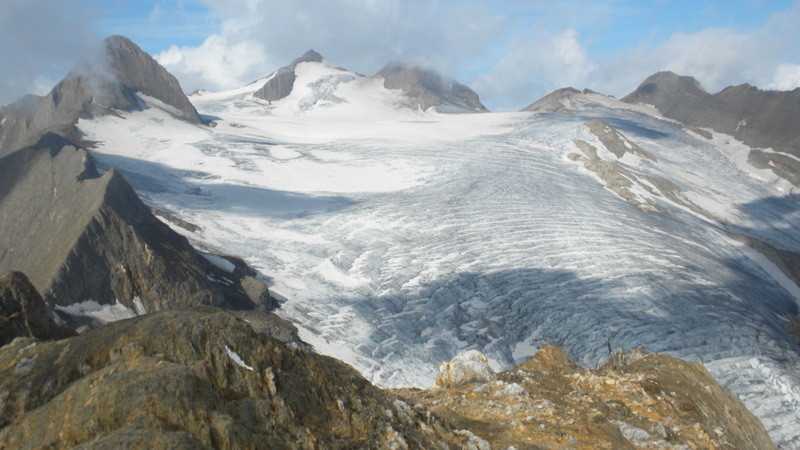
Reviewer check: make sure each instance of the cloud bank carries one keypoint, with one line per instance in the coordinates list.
(512, 52)
(40, 40)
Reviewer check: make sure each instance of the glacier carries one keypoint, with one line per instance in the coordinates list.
(395, 239)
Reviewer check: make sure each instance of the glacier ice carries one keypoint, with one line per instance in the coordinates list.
(400, 240)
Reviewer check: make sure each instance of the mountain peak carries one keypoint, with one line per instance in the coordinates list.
(665, 84)
(309, 56)
(426, 88)
(282, 81)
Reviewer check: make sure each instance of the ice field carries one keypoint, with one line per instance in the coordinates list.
(396, 238)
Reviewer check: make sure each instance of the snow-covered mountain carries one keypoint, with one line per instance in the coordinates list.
(397, 237)
(117, 76)
(312, 83)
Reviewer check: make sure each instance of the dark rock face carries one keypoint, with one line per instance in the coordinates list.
(98, 85)
(80, 236)
(426, 89)
(23, 313)
(758, 118)
(198, 378)
(282, 82)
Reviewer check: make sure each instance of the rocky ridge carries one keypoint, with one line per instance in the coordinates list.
(635, 400)
(281, 83)
(199, 378)
(79, 235)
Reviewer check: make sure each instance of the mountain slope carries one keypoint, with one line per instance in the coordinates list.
(81, 236)
(760, 119)
(100, 84)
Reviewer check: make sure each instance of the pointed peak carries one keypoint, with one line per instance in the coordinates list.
(309, 56)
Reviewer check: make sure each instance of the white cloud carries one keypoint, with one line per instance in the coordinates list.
(359, 34)
(539, 62)
(786, 78)
(41, 40)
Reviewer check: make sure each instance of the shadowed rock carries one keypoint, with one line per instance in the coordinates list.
(425, 89)
(761, 119)
(80, 236)
(23, 313)
(280, 85)
(100, 84)
(199, 378)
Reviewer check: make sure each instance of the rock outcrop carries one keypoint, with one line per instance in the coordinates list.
(199, 378)
(80, 236)
(425, 89)
(636, 188)
(23, 313)
(281, 83)
(636, 399)
(109, 80)
(760, 119)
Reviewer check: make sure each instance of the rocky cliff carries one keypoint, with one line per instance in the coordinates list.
(760, 119)
(23, 312)
(79, 235)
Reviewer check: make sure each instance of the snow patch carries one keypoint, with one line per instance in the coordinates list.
(236, 358)
(103, 313)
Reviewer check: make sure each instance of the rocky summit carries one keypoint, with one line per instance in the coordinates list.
(281, 83)
(426, 89)
(199, 378)
(635, 400)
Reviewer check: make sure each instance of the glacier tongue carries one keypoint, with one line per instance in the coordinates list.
(399, 241)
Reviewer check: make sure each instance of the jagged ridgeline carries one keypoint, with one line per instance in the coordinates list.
(421, 88)
(107, 80)
(79, 235)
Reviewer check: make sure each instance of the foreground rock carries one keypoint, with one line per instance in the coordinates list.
(425, 89)
(198, 378)
(112, 79)
(636, 399)
(80, 236)
(23, 313)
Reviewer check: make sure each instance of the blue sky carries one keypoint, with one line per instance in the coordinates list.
(510, 51)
